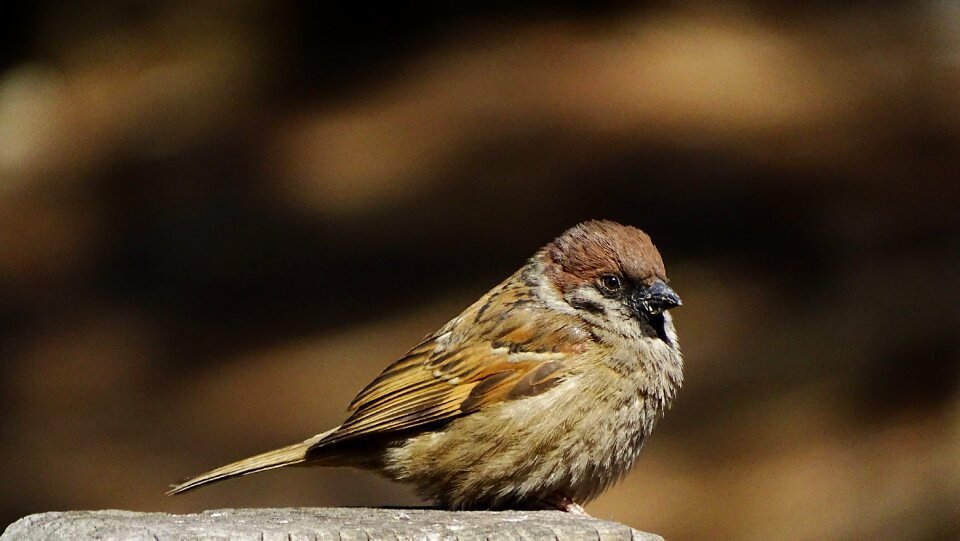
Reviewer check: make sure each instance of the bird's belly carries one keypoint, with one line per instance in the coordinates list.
(517, 453)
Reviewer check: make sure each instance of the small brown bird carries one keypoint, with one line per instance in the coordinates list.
(539, 395)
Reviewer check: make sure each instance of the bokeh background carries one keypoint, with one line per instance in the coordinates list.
(219, 220)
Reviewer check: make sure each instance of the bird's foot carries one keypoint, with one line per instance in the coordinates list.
(563, 503)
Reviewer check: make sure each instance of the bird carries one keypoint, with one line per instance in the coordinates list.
(539, 395)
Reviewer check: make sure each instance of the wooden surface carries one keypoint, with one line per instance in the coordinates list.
(320, 524)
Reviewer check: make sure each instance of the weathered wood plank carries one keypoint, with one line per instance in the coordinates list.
(319, 524)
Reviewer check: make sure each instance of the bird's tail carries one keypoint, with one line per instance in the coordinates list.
(278, 458)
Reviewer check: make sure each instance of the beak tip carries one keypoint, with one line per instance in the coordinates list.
(665, 294)
(658, 298)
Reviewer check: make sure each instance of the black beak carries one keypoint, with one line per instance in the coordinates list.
(655, 299)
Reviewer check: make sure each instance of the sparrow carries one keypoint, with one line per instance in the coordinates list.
(538, 396)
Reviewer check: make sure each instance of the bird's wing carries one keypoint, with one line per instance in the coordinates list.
(482, 357)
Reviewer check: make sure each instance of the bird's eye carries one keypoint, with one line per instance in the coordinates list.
(611, 282)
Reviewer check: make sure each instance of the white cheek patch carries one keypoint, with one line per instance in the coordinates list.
(589, 299)
(552, 299)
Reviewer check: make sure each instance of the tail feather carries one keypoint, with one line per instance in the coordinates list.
(278, 458)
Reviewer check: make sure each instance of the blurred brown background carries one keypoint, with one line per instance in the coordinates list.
(219, 220)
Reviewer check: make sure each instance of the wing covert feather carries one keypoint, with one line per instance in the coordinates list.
(485, 355)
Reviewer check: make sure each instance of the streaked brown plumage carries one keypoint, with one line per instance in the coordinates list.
(540, 394)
